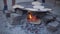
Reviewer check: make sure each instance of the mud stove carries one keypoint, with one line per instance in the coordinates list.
(34, 16)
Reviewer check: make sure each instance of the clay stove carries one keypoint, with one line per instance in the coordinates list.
(31, 8)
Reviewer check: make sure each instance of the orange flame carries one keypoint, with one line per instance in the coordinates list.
(32, 18)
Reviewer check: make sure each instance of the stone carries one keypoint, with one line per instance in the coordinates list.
(16, 20)
(52, 29)
(49, 18)
(53, 26)
(58, 19)
(14, 15)
(7, 13)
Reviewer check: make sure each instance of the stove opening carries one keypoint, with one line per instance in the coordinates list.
(31, 17)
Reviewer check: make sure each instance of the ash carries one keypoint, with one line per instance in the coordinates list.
(19, 25)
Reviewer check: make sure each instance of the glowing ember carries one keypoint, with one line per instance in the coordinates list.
(32, 18)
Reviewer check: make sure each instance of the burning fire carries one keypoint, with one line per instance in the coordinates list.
(32, 18)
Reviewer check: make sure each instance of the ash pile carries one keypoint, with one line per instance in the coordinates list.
(49, 21)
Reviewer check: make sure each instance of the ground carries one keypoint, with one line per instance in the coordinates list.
(6, 28)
